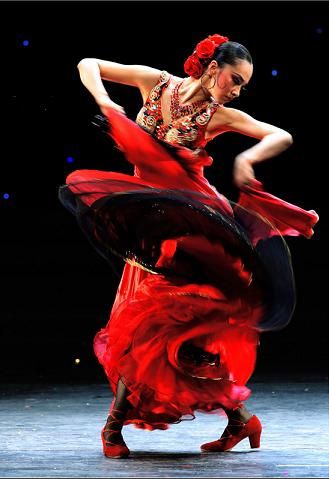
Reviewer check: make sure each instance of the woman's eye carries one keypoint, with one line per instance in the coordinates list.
(236, 80)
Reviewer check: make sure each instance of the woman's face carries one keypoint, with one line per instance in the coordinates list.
(230, 80)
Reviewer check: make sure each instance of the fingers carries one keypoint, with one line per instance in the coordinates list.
(243, 173)
(105, 110)
(118, 108)
(243, 179)
(106, 105)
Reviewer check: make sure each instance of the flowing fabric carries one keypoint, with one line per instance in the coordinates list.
(201, 274)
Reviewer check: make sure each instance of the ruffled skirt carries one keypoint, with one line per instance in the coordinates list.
(203, 277)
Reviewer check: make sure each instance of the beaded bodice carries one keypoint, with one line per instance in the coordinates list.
(188, 123)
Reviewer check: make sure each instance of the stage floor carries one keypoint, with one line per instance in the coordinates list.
(54, 431)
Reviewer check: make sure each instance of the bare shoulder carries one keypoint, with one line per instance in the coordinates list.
(224, 116)
(231, 119)
(220, 122)
(153, 77)
(146, 76)
(149, 79)
(141, 76)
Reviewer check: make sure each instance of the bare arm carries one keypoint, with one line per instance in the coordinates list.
(273, 140)
(93, 71)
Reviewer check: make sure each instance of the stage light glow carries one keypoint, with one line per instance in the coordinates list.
(274, 73)
(77, 361)
(70, 159)
(25, 43)
(6, 196)
(319, 30)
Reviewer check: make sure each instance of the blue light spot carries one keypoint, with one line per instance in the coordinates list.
(25, 43)
(6, 196)
(69, 159)
(274, 73)
(319, 30)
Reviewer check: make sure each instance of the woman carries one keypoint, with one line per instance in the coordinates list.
(202, 275)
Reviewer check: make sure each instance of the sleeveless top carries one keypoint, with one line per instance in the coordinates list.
(188, 130)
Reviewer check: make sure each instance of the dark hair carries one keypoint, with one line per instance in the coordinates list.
(229, 53)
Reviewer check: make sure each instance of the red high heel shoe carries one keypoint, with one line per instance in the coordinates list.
(110, 449)
(251, 430)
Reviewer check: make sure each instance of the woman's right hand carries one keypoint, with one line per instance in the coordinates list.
(243, 172)
(106, 105)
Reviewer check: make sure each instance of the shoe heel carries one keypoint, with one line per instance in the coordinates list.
(254, 440)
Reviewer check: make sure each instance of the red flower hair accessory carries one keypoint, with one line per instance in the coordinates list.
(193, 67)
(195, 63)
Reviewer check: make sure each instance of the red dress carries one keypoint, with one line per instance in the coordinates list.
(203, 276)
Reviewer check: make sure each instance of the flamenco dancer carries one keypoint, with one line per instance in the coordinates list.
(204, 276)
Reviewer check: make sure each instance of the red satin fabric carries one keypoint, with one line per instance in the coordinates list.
(152, 315)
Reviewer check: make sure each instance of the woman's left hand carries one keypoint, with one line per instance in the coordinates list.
(243, 172)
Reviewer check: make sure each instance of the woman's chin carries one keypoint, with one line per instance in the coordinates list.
(222, 100)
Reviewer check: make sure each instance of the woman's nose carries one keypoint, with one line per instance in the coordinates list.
(235, 92)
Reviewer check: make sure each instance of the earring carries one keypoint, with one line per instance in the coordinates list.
(209, 87)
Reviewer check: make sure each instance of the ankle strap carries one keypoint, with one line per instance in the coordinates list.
(117, 412)
(237, 421)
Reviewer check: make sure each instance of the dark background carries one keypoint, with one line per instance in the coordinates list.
(56, 292)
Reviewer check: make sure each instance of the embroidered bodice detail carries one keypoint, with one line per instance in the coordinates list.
(186, 129)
